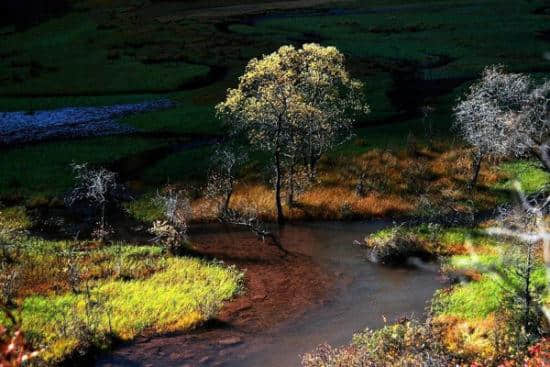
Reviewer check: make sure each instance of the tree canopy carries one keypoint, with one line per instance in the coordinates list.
(505, 114)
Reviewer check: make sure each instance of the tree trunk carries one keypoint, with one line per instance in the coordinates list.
(227, 198)
(290, 193)
(278, 179)
(477, 166)
(312, 171)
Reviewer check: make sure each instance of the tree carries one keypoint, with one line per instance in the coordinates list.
(223, 175)
(97, 187)
(505, 114)
(295, 104)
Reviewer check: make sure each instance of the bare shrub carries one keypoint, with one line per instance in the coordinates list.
(98, 188)
(73, 270)
(249, 219)
(222, 177)
(172, 231)
(525, 227)
(9, 284)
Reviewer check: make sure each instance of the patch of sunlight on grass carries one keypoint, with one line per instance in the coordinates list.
(471, 300)
(529, 174)
(145, 209)
(183, 294)
(479, 299)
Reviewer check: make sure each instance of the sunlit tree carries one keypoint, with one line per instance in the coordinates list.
(295, 104)
(505, 114)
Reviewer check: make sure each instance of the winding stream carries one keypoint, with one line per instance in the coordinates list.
(370, 293)
(374, 291)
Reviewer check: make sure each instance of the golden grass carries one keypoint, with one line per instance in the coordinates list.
(396, 182)
(470, 338)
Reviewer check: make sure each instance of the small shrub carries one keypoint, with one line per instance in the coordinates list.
(395, 245)
(408, 343)
(172, 232)
(97, 188)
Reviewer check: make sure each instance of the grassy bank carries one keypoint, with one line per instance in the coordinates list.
(476, 321)
(75, 297)
(478, 318)
(400, 182)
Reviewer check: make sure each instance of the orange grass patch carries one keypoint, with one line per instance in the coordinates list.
(396, 183)
(486, 340)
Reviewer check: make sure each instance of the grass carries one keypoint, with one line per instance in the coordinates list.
(123, 291)
(398, 31)
(145, 208)
(528, 173)
(43, 170)
(396, 182)
(473, 315)
(188, 117)
(179, 297)
(472, 301)
(14, 218)
(39, 62)
(391, 245)
(188, 166)
(478, 299)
